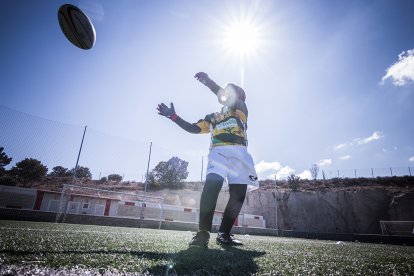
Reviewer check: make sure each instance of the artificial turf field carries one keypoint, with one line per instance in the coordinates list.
(67, 249)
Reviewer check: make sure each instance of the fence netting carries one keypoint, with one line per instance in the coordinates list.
(58, 144)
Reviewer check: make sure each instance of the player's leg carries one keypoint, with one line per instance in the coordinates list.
(208, 202)
(234, 205)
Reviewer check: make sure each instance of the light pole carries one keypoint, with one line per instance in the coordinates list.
(146, 178)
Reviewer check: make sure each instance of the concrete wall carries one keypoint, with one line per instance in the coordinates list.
(317, 212)
(12, 197)
(323, 211)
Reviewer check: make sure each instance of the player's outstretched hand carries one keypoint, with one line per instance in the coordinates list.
(166, 111)
(202, 77)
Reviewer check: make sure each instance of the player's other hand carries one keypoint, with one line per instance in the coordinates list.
(166, 111)
(202, 77)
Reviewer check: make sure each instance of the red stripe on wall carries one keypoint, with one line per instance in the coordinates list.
(39, 198)
(187, 210)
(107, 206)
(130, 203)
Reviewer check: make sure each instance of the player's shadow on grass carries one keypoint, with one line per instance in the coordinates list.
(197, 261)
(192, 261)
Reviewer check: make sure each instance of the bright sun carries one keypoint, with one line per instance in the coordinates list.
(241, 35)
(241, 38)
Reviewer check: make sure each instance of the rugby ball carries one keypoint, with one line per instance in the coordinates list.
(76, 26)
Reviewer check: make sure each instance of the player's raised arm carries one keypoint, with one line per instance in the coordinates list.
(229, 96)
(169, 112)
(205, 79)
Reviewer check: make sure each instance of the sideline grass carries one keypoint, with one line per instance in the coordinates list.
(51, 247)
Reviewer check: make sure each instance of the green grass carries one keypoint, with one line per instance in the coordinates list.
(52, 247)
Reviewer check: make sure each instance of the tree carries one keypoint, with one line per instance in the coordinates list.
(115, 177)
(81, 172)
(293, 182)
(29, 169)
(59, 171)
(8, 180)
(169, 174)
(4, 160)
(314, 171)
(151, 180)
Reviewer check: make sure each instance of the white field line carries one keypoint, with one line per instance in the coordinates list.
(63, 230)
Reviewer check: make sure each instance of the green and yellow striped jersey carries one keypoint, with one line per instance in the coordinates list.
(227, 127)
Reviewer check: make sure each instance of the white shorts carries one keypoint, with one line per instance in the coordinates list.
(233, 163)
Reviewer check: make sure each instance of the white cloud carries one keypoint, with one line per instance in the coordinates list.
(340, 146)
(360, 141)
(306, 174)
(324, 162)
(402, 71)
(268, 170)
(285, 172)
(411, 159)
(263, 166)
(375, 136)
(345, 157)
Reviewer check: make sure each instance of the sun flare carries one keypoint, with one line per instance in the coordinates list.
(241, 38)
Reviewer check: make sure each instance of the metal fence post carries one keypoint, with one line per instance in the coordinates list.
(161, 214)
(277, 228)
(80, 151)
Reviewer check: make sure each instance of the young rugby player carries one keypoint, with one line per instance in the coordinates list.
(228, 158)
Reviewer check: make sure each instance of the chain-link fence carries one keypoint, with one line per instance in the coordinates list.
(59, 144)
(366, 173)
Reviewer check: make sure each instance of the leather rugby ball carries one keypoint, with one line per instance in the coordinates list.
(76, 26)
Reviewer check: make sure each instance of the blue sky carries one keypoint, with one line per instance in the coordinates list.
(330, 83)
